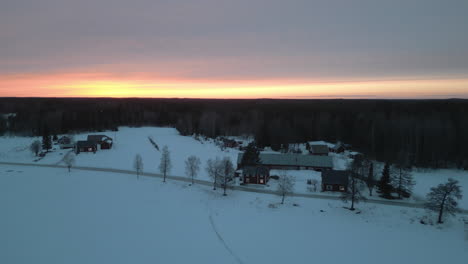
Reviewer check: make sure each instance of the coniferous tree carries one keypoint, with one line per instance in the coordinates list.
(251, 155)
(384, 187)
(46, 139)
(370, 178)
(402, 181)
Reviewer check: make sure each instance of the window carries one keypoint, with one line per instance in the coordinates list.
(341, 188)
(329, 187)
(247, 180)
(261, 181)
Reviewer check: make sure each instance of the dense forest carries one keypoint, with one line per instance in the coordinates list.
(427, 133)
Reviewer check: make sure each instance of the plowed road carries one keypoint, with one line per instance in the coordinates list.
(208, 183)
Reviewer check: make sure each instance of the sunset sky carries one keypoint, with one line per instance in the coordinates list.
(234, 49)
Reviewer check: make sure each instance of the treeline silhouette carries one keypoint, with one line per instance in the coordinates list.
(427, 133)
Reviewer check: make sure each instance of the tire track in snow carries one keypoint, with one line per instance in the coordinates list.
(224, 242)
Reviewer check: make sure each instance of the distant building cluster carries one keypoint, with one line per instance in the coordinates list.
(93, 143)
(318, 159)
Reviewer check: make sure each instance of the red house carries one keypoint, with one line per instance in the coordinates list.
(255, 175)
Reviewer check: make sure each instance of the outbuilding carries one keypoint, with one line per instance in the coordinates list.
(103, 141)
(85, 146)
(335, 180)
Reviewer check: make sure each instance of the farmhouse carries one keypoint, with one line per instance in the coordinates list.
(319, 150)
(102, 141)
(85, 146)
(293, 161)
(255, 174)
(335, 180)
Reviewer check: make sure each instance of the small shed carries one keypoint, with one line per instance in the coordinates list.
(335, 180)
(103, 141)
(65, 142)
(85, 146)
(338, 148)
(319, 150)
(255, 175)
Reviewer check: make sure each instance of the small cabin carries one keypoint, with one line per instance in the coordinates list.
(335, 180)
(85, 146)
(65, 142)
(338, 148)
(255, 175)
(102, 141)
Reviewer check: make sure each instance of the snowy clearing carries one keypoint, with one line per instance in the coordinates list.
(52, 216)
(131, 141)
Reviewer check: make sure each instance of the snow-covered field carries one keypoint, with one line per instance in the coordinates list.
(52, 216)
(131, 141)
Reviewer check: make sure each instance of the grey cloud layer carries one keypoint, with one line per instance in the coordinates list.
(238, 39)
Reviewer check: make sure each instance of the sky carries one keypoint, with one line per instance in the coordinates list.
(234, 48)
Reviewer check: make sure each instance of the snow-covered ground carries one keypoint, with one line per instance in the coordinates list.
(131, 141)
(52, 216)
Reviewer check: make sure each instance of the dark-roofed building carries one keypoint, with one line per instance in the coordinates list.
(338, 148)
(255, 175)
(85, 146)
(103, 141)
(335, 180)
(319, 150)
(293, 161)
(65, 142)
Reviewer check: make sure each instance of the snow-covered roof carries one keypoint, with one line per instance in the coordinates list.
(319, 149)
(293, 160)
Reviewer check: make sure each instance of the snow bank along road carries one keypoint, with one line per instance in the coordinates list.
(208, 183)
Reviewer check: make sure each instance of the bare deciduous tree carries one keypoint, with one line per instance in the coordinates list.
(227, 173)
(69, 160)
(35, 147)
(214, 170)
(353, 191)
(138, 165)
(192, 166)
(443, 198)
(285, 185)
(165, 164)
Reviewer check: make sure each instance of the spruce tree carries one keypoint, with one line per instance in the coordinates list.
(370, 178)
(46, 139)
(403, 182)
(384, 186)
(251, 155)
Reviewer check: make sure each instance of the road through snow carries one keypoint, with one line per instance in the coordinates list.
(208, 183)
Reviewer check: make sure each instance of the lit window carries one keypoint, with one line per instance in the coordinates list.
(341, 188)
(261, 181)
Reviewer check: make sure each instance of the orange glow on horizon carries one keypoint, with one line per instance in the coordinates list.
(102, 85)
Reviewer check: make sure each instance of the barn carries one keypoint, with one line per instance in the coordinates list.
(103, 141)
